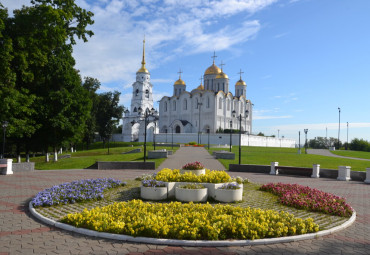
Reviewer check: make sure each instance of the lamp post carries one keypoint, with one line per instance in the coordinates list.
(4, 125)
(339, 129)
(199, 139)
(155, 128)
(231, 125)
(240, 132)
(299, 142)
(147, 113)
(208, 131)
(305, 131)
(347, 137)
(278, 132)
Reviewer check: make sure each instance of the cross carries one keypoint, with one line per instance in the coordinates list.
(214, 56)
(222, 64)
(180, 72)
(240, 73)
(201, 79)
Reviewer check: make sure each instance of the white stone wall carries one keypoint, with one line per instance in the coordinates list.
(222, 139)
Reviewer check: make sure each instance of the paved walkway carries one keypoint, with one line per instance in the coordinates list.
(191, 154)
(324, 152)
(20, 233)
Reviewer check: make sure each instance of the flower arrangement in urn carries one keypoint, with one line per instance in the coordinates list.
(196, 168)
(193, 166)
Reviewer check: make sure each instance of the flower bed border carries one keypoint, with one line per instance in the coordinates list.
(196, 243)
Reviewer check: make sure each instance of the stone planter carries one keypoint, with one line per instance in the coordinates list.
(229, 195)
(171, 188)
(196, 172)
(195, 195)
(153, 193)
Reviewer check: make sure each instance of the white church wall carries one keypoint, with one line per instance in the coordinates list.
(224, 139)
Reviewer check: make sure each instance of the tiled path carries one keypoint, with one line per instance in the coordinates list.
(20, 233)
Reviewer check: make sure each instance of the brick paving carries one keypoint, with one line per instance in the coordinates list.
(20, 233)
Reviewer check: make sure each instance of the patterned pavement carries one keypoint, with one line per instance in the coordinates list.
(20, 233)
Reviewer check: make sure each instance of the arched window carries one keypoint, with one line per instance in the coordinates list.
(174, 105)
(196, 103)
(165, 106)
(137, 92)
(207, 102)
(228, 105)
(135, 110)
(147, 93)
(220, 103)
(185, 104)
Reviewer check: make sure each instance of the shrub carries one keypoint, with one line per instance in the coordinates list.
(310, 199)
(192, 143)
(168, 175)
(193, 166)
(76, 191)
(190, 221)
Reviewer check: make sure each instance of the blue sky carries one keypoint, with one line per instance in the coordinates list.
(302, 59)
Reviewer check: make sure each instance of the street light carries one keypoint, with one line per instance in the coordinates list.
(208, 131)
(147, 114)
(4, 125)
(240, 131)
(305, 131)
(299, 142)
(231, 125)
(339, 130)
(347, 137)
(199, 139)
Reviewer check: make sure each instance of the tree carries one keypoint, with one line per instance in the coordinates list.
(108, 113)
(40, 40)
(91, 85)
(16, 104)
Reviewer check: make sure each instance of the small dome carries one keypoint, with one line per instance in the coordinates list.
(143, 69)
(213, 69)
(179, 82)
(200, 87)
(240, 83)
(222, 75)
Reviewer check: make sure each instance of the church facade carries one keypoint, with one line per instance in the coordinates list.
(208, 108)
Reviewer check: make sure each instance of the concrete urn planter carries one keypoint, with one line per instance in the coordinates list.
(229, 195)
(153, 193)
(196, 172)
(195, 195)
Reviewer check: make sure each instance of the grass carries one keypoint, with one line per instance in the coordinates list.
(353, 154)
(288, 157)
(84, 159)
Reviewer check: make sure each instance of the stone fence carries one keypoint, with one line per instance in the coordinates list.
(343, 173)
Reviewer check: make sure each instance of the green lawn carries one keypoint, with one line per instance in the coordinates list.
(288, 157)
(84, 159)
(353, 154)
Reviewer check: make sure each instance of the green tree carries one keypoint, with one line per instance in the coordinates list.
(108, 114)
(41, 39)
(91, 85)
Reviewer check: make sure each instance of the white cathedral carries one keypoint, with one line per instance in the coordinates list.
(206, 109)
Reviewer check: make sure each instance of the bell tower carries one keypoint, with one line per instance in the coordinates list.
(142, 89)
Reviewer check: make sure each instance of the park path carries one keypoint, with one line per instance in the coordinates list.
(324, 152)
(191, 154)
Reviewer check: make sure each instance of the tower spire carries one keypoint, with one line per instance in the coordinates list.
(143, 68)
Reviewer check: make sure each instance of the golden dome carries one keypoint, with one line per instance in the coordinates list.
(222, 75)
(213, 69)
(240, 83)
(179, 82)
(200, 87)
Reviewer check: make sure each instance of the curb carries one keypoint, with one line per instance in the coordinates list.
(197, 243)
